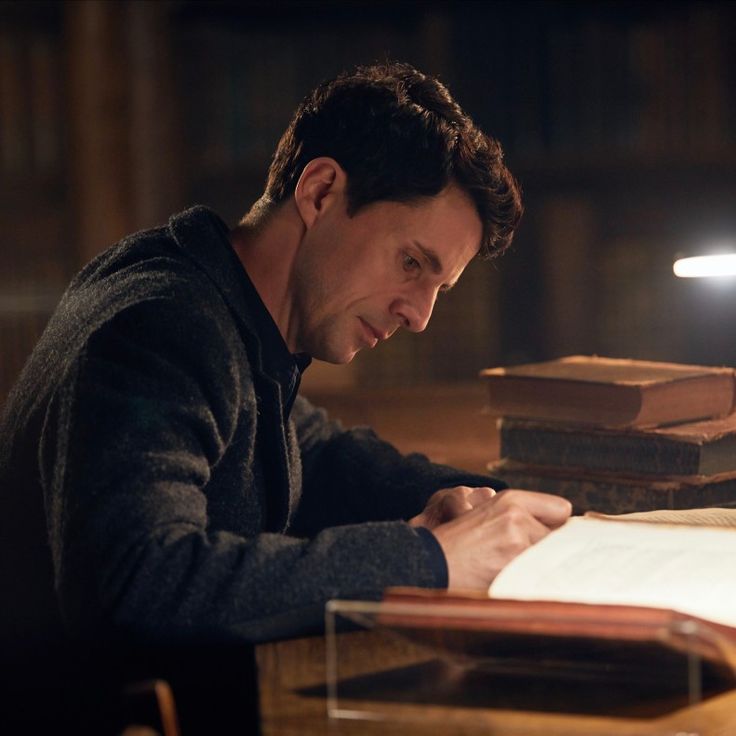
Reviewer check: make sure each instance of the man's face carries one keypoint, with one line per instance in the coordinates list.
(357, 280)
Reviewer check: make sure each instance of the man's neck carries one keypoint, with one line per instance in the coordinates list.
(267, 251)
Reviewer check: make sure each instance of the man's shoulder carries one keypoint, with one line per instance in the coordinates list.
(163, 251)
(159, 263)
(147, 280)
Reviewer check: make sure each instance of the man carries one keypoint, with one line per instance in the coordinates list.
(161, 475)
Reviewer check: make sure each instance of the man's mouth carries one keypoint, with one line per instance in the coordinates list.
(373, 335)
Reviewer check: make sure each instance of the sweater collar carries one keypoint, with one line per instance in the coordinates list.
(205, 238)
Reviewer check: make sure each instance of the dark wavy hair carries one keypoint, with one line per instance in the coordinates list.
(399, 136)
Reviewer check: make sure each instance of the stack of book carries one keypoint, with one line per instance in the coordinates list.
(617, 436)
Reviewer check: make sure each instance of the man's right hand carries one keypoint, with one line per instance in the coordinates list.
(481, 542)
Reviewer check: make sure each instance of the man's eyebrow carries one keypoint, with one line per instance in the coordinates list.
(434, 262)
(432, 258)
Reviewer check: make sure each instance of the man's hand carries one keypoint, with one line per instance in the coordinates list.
(449, 503)
(479, 543)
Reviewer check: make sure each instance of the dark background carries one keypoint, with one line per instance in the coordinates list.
(619, 119)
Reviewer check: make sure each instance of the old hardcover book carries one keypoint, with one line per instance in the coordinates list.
(693, 448)
(645, 580)
(610, 392)
(616, 493)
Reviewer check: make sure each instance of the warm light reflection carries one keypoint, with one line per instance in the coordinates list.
(706, 266)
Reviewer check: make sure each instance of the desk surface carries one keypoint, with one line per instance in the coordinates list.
(446, 423)
(292, 677)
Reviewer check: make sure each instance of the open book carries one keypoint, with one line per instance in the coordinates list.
(632, 585)
(683, 561)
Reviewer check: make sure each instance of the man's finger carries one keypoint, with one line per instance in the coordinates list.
(479, 495)
(537, 530)
(454, 505)
(550, 510)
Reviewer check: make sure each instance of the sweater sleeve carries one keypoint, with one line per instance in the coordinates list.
(352, 475)
(133, 437)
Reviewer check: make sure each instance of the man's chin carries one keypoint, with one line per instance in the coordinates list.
(339, 358)
(345, 359)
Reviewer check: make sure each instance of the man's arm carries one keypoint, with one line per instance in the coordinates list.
(134, 446)
(352, 475)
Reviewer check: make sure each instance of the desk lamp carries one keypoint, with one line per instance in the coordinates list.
(706, 266)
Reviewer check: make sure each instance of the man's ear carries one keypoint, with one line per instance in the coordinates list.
(321, 185)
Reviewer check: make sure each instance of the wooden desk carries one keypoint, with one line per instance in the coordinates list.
(292, 678)
(447, 424)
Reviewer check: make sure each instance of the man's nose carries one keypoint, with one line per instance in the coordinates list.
(415, 312)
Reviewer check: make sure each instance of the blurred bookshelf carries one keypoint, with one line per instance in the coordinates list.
(619, 119)
(34, 264)
(585, 85)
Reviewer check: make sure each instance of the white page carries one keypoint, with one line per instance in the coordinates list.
(691, 517)
(688, 569)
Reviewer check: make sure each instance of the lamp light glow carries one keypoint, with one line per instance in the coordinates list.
(723, 264)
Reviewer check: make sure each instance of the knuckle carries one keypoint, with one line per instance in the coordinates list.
(517, 546)
(515, 516)
(503, 498)
(514, 544)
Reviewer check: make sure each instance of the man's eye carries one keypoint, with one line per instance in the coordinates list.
(410, 263)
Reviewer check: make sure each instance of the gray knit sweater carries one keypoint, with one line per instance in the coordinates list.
(149, 482)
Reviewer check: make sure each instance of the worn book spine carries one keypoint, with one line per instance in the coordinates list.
(609, 392)
(617, 451)
(615, 494)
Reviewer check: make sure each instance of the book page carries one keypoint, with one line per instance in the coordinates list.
(682, 568)
(691, 517)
